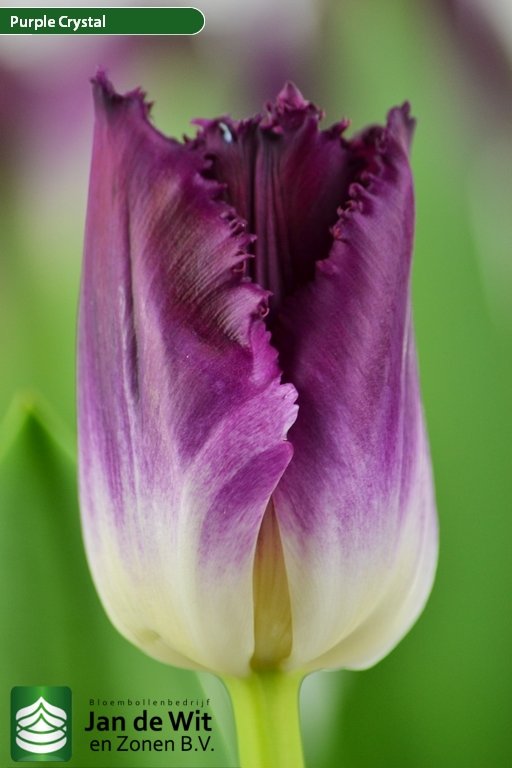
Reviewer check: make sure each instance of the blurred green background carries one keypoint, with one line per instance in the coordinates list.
(443, 698)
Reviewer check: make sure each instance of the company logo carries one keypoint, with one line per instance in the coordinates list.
(40, 723)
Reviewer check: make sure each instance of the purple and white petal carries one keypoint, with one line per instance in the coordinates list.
(182, 416)
(355, 505)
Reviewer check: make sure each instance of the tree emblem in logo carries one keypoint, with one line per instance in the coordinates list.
(41, 727)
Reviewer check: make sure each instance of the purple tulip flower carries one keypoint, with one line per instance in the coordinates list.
(255, 477)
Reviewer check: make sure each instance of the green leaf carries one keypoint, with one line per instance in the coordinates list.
(54, 629)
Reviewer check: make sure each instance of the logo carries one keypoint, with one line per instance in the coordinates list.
(40, 723)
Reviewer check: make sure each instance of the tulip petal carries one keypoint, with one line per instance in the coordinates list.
(287, 179)
(182, 416)
(355, 506)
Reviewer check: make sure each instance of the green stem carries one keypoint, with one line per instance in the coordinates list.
(266, 706)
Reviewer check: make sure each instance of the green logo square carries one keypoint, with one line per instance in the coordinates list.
(40, 723)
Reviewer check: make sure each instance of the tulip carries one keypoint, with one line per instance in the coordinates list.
(255, 478)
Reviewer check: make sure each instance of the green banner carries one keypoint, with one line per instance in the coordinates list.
(101, 21)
